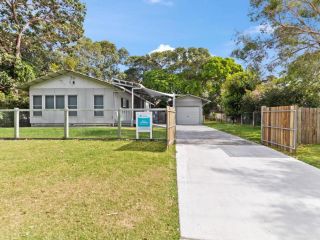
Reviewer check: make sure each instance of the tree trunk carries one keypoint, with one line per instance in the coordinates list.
(18, 46)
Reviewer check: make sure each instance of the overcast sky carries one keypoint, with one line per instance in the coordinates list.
(142, 26)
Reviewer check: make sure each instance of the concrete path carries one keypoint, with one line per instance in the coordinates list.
(232, 189)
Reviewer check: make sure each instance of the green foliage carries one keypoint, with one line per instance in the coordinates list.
(185, 71)
(213, 74)
(288, 29)
(31, 26)
(162, 81)
(177, 61)
(6, 82)
(98, 59)
(33, 34)
(23, 72)
(234, 89)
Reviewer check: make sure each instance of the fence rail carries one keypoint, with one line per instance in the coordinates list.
(82, 124)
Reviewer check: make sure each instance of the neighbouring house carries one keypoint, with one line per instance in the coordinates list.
(189, 109)
(89, 100)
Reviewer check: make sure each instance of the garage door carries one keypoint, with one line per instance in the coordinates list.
(188, 115)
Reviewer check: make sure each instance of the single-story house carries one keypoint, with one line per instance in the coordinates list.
(189, 109)
(84, 96)
(92, 101)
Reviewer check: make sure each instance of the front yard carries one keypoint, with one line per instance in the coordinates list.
(307, 153)
(87, 190)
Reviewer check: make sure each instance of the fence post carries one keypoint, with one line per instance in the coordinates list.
(253, 119)
(16, 123)
(119, 123)
(262, 124)
(299, 125)
(241, 119)
(66, 123)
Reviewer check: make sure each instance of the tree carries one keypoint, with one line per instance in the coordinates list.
(288, 29)
(234, 89)
(28, 25)
(99, 59)
(303, 75)
(162, 81)
(213, 74)
(177, 61)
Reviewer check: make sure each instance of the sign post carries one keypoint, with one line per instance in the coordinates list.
(143, 123)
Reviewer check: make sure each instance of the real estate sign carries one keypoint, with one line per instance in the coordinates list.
(143, 123)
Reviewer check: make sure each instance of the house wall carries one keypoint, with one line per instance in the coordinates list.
(85, 89)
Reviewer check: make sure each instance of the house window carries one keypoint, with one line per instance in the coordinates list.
(72, 104)
(98, 104)
(59, 102)
(37, 104)
(49, 102)
(124, 103)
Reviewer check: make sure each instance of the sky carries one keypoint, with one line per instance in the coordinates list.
(143, 26)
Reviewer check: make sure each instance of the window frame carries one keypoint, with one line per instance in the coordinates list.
(64, 101)
(73, 113)
(45, 102)
(98, 113)
(37, 113)
(125, 103)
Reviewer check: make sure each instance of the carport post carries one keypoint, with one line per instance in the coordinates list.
(16, 123)
(66, 123)
(119, 123)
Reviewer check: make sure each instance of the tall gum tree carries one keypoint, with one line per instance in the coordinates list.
(45, 23)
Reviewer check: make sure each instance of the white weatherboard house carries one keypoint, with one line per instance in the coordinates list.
(95, 102)
(84, 96)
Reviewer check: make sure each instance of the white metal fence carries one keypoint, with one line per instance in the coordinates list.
(78, 124)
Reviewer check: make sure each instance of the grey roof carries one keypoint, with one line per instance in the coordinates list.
(204, 101)
(63, 72)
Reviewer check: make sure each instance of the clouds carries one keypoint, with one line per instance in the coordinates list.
(160, 2)
(163, 48)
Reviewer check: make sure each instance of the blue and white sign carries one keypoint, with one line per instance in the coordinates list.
(143, 123)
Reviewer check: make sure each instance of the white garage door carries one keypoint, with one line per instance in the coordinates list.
(188, 115)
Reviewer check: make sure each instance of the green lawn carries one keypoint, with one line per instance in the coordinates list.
(245, 131)
(81, 132)
(81, 189)
(306, 153)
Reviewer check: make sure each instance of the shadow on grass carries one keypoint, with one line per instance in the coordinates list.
(141, 146)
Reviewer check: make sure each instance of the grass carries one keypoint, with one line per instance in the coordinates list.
(307, 153)
(81, 189)
(81, 132)
(245, 131)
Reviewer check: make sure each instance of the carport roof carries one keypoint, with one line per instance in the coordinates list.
(204, 101)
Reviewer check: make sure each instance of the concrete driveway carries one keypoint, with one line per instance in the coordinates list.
(232, 189)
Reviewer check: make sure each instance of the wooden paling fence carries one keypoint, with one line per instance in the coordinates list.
(287, 126)
(279, 127)
(309, 126)
(171, 125)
